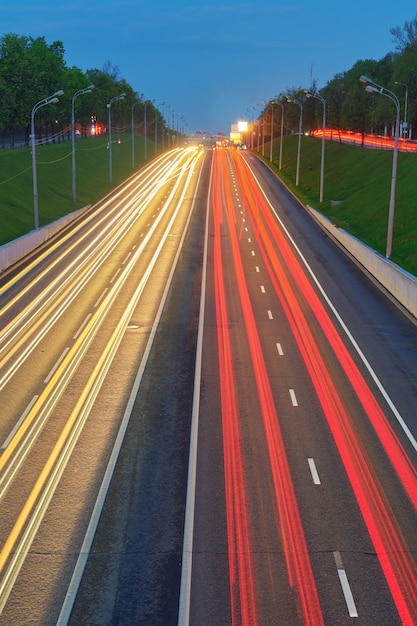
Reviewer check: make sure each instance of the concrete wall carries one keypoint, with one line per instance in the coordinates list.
(12, 252)
(401, 284)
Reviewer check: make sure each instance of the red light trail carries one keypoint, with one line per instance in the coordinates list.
(396, 562)
(299, 568)
(240, 563)
(370, 141)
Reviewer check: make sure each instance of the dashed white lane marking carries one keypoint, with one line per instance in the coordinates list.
(55, 367)
(271, 317)
(293, 397)
(82, 326)
(280, 350)
(347, 592)
(262, 289)
(257, 268)
(115, 275)
(101, 297)
(314, 472)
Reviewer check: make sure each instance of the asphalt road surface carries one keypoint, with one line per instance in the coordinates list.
(244, 416)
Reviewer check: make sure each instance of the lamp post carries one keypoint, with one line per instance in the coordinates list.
(156, 130)
(272, 130)
(373, 87)
(133, 132)
(172, 129)
(122, 95)
(282, 134)
(145, 129)
(50, 100)
(322, 100)
(405, 125)
(300, 104)
(77, 93)
(165, 106)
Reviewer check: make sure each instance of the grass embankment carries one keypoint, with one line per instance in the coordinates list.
(54, 176)
(361, 177)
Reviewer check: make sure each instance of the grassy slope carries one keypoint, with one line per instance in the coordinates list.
(358, 176)
(361, 177)
(54, 175)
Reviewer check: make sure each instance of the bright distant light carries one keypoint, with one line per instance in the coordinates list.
(242, 126)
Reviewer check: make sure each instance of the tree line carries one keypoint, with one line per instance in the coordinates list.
(350, 107)
(32, 70)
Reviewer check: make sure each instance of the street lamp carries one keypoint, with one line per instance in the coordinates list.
(272, 130)
(77, 93)
(51, 100)
(165, 106)
(156, 130)
(373, 87)
(133, 132)
(171, 136)
(300, 104)
(405, 125)
(322, 100)
(144, 123)
(282, 134)
(121, 97)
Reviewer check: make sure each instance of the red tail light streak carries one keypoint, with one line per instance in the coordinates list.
(283, 266)
(240, 564)
(300, 574)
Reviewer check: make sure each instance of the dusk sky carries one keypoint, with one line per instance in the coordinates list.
(212, 62)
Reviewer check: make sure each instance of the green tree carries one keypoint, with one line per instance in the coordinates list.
(405, 36)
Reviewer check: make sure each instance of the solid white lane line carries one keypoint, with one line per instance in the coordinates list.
(187, 549)
(314, 472)
(280, 350)
(55, 367)
(347, 592)
(17, 425)
(293, 397)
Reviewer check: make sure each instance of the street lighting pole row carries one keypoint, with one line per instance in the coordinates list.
(53, 99)
(273, 102)
(371, 87)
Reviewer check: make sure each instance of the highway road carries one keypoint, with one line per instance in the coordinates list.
(209, 415)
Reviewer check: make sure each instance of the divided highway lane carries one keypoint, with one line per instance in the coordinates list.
(77, 322)
(306, 482)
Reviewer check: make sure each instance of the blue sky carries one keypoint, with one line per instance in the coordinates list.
(213, 61)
